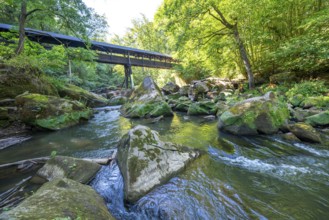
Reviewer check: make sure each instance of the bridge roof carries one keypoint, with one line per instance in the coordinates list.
(55, 38)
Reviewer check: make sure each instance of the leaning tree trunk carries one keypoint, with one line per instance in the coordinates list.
(22, 21)
(244, 56)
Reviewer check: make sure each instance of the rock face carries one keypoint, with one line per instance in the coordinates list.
(259, 115)
(146, 101)
(82, 95)
(305, 132)
(170, 88)
(145, 161)
(61, 199)
(50, 112)
(68, 167)
(16, 82)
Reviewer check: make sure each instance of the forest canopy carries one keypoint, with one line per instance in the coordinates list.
(253, 39)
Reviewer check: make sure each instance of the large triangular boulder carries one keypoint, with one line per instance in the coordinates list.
(61, 199)
(146, 101)
(146, 162)
(259, 115)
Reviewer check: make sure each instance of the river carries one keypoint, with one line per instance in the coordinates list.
(262, 177)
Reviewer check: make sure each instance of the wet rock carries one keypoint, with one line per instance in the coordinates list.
(170, 88)
(76, 93)
(68, 167)
(146, 101)
(259, 115)
(146, 162)
(305, 132)
(61, 199)
(290, 137)
(320, 119)
(50, 112)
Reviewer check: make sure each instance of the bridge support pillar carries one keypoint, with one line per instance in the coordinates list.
(128, 77)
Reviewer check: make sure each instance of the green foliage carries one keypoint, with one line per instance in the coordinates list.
(279, 36)
(53, 154)
(308, 88)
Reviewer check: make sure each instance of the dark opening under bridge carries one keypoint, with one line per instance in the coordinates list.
(106, 53)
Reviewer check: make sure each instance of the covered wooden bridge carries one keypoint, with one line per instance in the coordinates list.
(106, 53)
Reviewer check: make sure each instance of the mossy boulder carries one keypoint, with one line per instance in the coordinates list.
(146, 162)
(305, 132)
(321, 119)
(170, 88)
(16, 82)
(82, 95)
(146, 101)
(61, 199)
(79, 170)
(202, 108)
(259, 115)
(50, 112)
(300, 114)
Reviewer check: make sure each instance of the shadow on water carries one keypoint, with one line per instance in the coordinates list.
(260, 177)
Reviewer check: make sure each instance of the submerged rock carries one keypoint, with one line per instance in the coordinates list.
(50, 112)
(76, 93)
(259, 115)
(61, 199)
(68, 167)
(146, 162)
(146, 101)
(305, 132)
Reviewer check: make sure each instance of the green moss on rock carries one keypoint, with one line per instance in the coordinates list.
(16, 82)
(321, 119)
(50, 112)
(263, 115)
(61, 199)
(82, 95)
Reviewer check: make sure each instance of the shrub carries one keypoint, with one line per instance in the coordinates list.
(308, 88)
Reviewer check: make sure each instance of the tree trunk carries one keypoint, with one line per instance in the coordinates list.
(22, 21)
(244, 56)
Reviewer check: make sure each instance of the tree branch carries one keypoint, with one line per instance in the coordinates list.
(32, 11)
(222, 18)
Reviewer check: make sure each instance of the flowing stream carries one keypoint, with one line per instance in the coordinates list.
(262, 177)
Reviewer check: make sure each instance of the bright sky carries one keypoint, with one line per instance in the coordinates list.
(119, 13)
